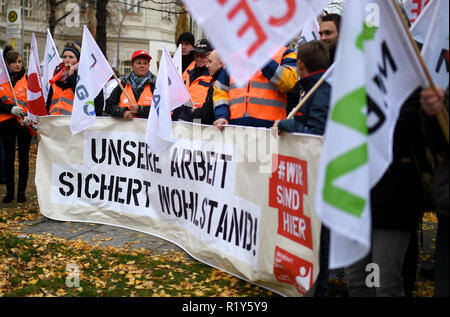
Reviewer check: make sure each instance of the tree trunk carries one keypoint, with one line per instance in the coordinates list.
(100, 15)
(52, 16)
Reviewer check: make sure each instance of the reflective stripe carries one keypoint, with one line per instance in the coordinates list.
(267, 102)
(236, 101)
(221, 103)
(60, 110)
(204, 83)
(221, 86)
(277, 76)
(259, 85)
(4, 98)
(54, 101)
(67, 100)
(21, 102)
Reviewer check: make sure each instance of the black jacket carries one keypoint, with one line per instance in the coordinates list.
(112, 103)
(397, 198)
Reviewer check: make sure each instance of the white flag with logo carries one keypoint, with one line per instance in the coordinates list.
(94, 72)
(51, 60)
(415, 8)
(432, 30)
(248, 33)
(375, 64)
(170, 93)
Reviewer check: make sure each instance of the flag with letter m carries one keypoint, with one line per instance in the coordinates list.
(376, 70)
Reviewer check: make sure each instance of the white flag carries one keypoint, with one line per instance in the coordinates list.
(35, 98)
(170, 93)
(4, 75)
(93, 73)
(415, 8)
(51, 60)
(309, 33)
(177, 59)
(248, 33)
(432, 30)
(371, 62)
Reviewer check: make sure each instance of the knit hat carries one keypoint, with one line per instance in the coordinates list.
(186, 37)
(72, 47)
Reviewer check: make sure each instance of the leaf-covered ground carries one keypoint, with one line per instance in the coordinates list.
(42, 265)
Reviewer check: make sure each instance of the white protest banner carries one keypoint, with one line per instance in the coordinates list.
(226, 198)
(35, 98)
(94, 72)
(170, 93)
(51, 60)
(377, 66)
(4, 74)
(247, 33)
(432, 30)
(177, 59)
(310, 32)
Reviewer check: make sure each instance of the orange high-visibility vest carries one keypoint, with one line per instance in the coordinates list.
(7, 97)
(198, 89)
(145, 99)
(260, 99)
(62, 101)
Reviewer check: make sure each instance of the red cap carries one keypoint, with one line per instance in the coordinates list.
(140, 53)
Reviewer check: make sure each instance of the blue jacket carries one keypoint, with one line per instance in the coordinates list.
(312, 116)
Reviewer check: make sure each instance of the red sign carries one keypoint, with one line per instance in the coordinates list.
(287, 187)
(293, 270)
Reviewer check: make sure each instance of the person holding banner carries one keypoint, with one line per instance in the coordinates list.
(263, 100)
(133, 97)
(61, 94)
(13, 124)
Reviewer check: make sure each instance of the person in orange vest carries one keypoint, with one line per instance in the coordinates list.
(139, 85)
(61, 94)
(13, 125)
(187, 41)
(197, 78)
(263, 100)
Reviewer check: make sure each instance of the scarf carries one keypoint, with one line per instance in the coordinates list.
(137, 82)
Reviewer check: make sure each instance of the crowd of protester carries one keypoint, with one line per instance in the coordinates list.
(397, 200)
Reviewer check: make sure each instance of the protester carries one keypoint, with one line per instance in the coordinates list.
(61, 94)
(329, 32)
(312, 61)
(197, 78)
(187, 41)
(14, 124)
(396, 203)
(205, 113)
(432, 102)
(138, 85)
(263, 100)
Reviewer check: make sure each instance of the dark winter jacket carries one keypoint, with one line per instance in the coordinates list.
(112, 103)
(312, 116)
(435, 138)
(396, 199)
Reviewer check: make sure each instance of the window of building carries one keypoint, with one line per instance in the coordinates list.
(125, 67)
(133, 6)
(3, 6)
(26, 54)
(27, 6)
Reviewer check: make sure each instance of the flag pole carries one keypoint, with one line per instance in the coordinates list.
(443, 115)
(123, 89)
(309, 94)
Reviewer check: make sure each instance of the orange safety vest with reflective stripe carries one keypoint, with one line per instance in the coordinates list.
(198, 89)
(7, 97)
(260, 99)
(145, 99)
(62, 101)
